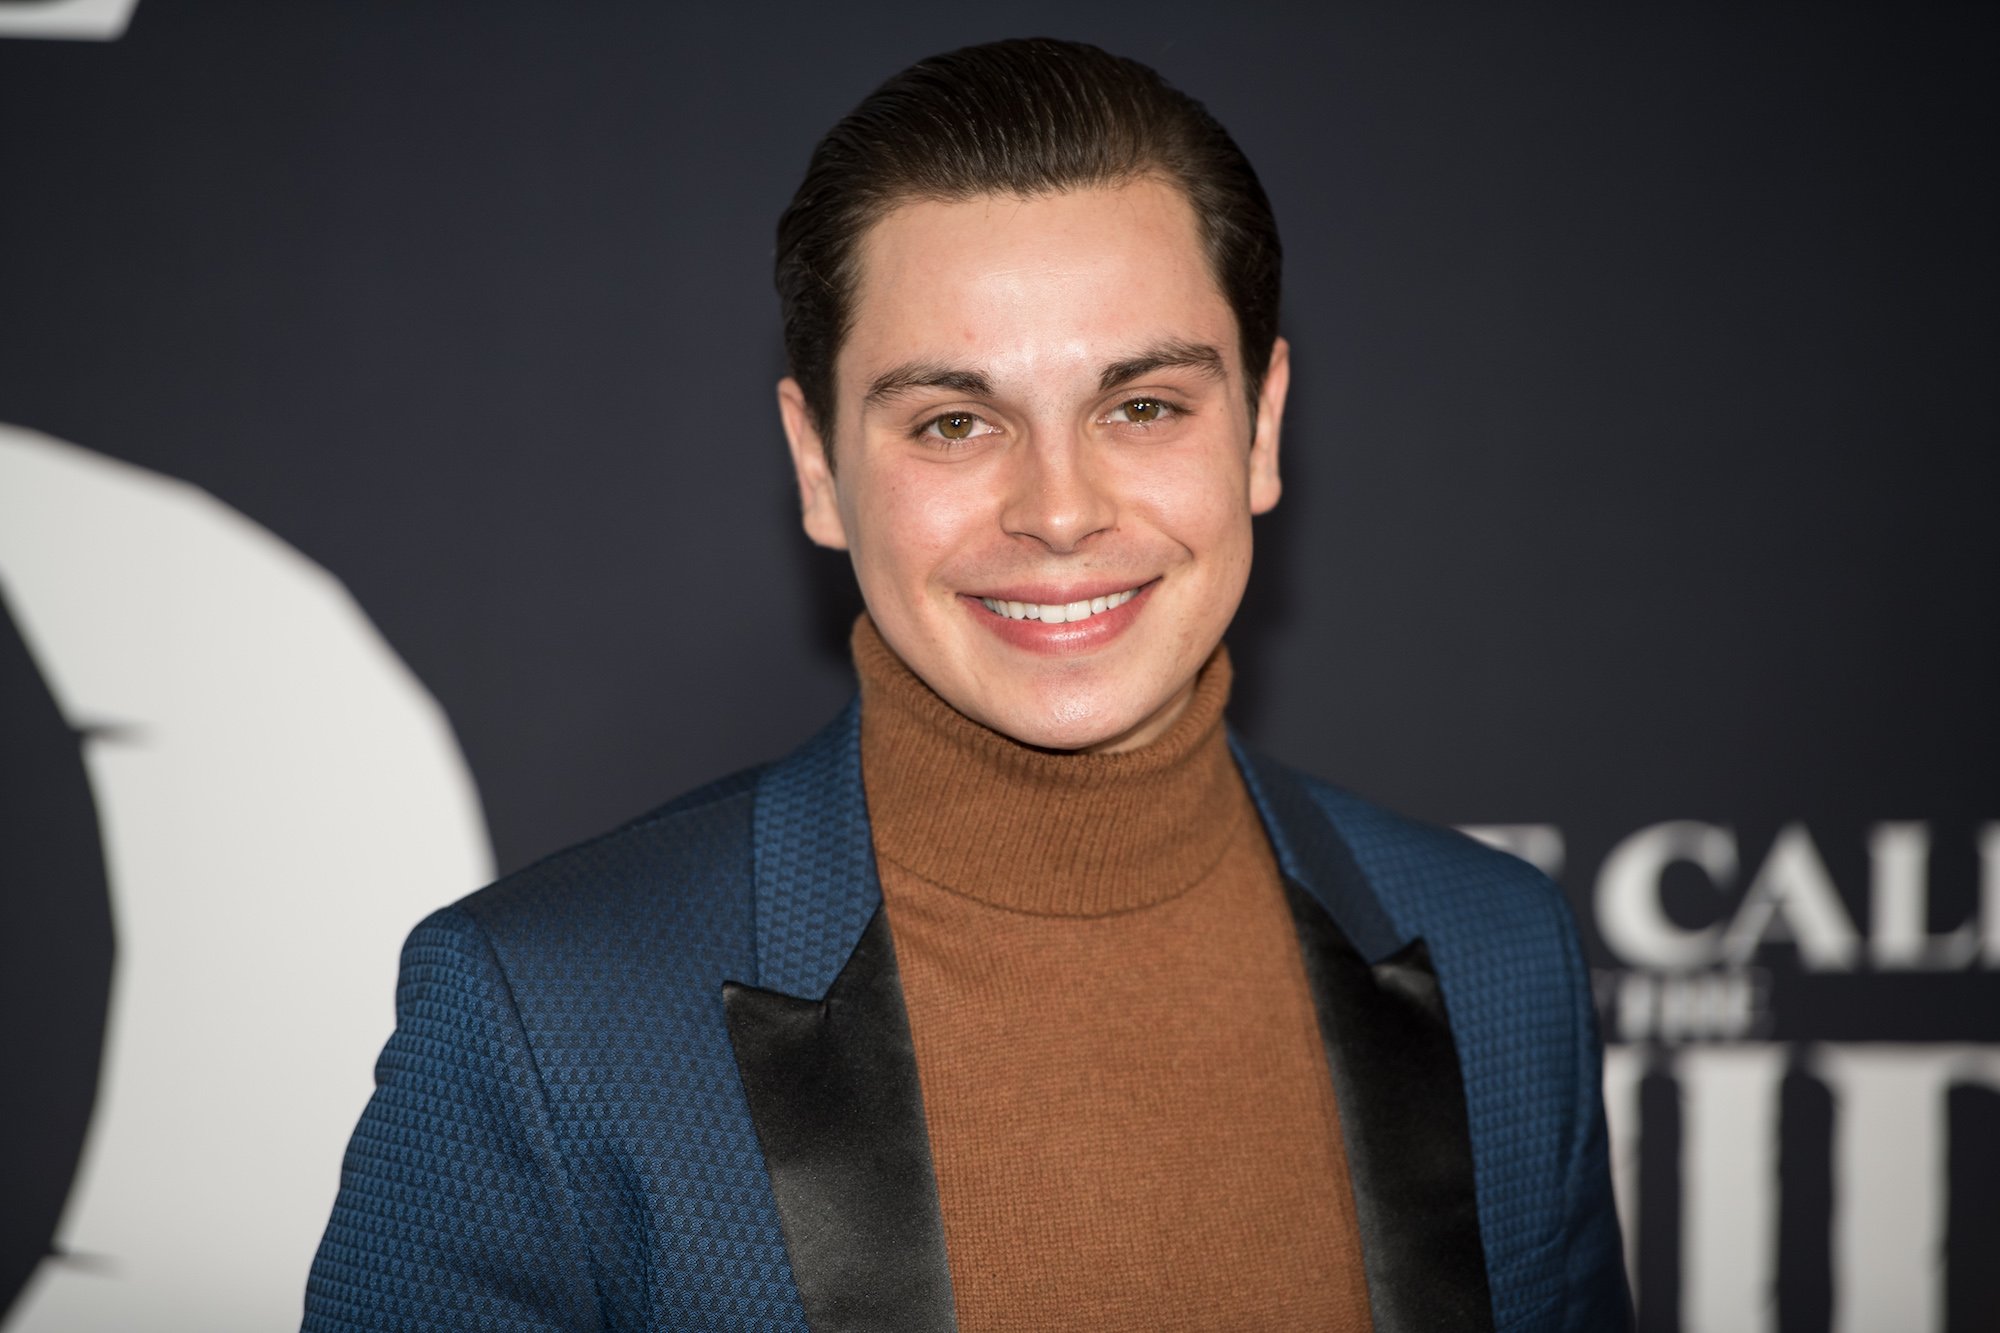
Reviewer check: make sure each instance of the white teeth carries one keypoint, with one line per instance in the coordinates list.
(1054, 614)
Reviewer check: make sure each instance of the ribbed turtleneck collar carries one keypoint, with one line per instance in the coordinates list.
(1042, 831)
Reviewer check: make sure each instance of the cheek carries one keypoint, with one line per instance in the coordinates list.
(905, 528)
(1198, 500)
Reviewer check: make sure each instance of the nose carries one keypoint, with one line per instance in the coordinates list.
(1055, 495)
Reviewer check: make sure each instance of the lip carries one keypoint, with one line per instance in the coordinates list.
(1058, 594)
(1076, 636)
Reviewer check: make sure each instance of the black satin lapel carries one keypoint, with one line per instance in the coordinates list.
(1403, 1118)
(833, 1091)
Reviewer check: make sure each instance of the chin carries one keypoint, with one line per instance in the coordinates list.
(1070, 722)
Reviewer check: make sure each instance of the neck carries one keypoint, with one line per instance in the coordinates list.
(1045, 832)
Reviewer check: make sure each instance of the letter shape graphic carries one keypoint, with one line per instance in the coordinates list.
(280, 801)
(93, 20)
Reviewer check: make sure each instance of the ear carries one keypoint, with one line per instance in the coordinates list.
(819, 504)
(1264, 484)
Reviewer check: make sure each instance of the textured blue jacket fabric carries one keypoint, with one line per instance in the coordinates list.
(559, 1137)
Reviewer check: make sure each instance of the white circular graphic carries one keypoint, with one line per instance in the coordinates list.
(280, 801)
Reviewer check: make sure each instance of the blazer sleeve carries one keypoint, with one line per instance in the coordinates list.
(1600, 1299)
(454, 1210)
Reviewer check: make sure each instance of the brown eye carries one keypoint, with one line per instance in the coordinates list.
(1142, 410)
(957, 426)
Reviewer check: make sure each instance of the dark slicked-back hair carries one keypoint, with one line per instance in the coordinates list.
(1027, 117)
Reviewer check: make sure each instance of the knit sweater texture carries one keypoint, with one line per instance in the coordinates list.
(1124, 1084)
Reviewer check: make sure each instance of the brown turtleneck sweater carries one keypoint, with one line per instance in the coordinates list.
(1127, 1099)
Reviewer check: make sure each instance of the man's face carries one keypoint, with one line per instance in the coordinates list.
(1041, 404)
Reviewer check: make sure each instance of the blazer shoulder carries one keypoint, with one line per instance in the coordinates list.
(687, 864)
(1433, 878)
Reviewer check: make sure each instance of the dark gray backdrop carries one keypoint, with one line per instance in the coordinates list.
(1639, 463)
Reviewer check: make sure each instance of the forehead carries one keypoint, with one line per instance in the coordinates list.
(1035, 284)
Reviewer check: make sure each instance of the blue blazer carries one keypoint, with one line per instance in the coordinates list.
(664, 1081)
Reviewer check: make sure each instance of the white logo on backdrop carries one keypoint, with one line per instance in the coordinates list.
(1700, 997)
(280, 801)
(98, 20)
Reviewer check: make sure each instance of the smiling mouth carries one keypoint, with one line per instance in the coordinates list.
(1058, 613)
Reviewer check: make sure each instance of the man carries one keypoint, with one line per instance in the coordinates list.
(1022, 997)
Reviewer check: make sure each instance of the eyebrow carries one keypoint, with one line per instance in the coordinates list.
(916, 375)
(1171, 355)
